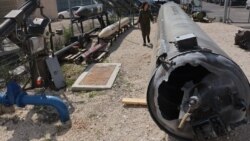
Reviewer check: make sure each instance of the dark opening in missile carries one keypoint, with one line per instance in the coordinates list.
(170, 92)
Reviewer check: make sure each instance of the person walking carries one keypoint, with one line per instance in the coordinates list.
(145, 17)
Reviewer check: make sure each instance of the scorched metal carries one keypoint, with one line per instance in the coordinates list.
(196, 90)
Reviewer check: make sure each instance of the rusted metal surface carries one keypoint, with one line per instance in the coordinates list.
(99, 75)
(196, 90)
(94, 51)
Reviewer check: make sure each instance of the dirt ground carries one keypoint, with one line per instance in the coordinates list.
(100, 115)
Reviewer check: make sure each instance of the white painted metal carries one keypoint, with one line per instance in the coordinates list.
(115, 27)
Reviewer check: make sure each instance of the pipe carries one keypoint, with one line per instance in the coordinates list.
(81, 40)
(3, 99)
(189, 64)
(15, 95)
(63, 50)
(46, 100)
(8, 26)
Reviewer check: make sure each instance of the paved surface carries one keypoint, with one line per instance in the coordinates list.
(238, 14)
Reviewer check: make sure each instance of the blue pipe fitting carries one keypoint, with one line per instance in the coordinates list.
(15, 95)
(3, 99)
(46, 100)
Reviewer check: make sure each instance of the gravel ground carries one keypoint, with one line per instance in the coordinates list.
(100, 115)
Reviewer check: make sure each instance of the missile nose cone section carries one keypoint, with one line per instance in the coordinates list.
(221, 93)
(113, 28)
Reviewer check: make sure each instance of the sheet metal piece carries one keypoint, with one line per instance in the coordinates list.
(55, 72)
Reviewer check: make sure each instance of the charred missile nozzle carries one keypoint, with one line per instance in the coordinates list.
(196, 90)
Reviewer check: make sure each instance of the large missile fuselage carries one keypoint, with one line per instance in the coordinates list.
(90, 10)
(113, 28)
(196, 90)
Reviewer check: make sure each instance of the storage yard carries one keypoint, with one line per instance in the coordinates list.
(100, 115)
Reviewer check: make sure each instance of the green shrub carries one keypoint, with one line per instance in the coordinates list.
(67, 34)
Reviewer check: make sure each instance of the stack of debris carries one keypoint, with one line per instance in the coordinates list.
(94, 45)
(202, 17)
(242, 38)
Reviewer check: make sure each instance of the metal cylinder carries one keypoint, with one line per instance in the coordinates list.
(196, 90)
(64, 50)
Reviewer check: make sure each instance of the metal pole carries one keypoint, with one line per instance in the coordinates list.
(225, 11)
(130, 10)
(93, 22)
(133, 14)
(71, 17)
(229, 10)
(249, 17)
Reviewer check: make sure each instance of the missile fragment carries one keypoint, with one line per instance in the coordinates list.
(196, 90)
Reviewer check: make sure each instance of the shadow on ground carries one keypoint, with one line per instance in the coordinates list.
(116, 43)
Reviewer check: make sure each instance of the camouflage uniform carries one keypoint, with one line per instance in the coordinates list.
(144, 20)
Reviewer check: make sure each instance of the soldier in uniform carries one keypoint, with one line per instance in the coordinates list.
(145, 17)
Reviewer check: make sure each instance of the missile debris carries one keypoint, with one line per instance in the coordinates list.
(89, 10)
(202, 17)
(113, 28)
(196, 90)
(242, 38)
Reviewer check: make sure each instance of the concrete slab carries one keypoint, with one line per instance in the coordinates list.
(97, 77)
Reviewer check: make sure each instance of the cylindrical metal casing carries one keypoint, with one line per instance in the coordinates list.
(90, 10)
(113, 28)
(189, 65)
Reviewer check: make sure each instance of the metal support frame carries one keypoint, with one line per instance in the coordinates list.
(99, 17)
(71, 17)
(227, 6)
(227, 10)
(249, 17)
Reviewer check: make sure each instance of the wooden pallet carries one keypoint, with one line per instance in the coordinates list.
(67, 57)
(74, 57)
(100, 57)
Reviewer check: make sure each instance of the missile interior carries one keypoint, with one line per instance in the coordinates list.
(196, 90)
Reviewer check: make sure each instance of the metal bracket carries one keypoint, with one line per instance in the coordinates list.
(15, 14)
(164, 61)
